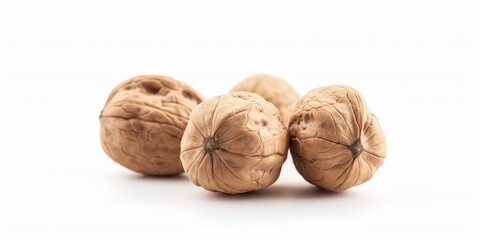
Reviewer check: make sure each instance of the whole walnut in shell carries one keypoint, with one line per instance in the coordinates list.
(335, 141)
(234, 143)
(143, 121)
(274, 90)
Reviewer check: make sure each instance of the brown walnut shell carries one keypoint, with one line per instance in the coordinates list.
(335, 141)
(234, 143)
(143, 121)
(274, 90)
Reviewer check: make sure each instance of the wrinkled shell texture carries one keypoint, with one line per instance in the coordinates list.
(143, 121)
(336, 143)
(234, 143)
(274, 90)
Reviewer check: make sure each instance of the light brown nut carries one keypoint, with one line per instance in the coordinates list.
(274, 90)
(143, 121)
(234, 143)
(336, 143)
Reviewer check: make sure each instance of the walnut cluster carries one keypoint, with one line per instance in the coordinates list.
(237, 142)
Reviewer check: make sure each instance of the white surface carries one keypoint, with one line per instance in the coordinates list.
(416, 63)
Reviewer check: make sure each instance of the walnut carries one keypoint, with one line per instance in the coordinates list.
(234, 143)
(335, 141)
(143, 121)
(274, 90)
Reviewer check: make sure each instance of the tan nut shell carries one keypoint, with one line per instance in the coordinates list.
(234, 143)
(143, 121)
(336, 143)
(274, 90)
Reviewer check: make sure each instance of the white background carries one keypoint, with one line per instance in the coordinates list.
(416, 62)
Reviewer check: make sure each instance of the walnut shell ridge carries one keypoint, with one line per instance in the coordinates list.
(234, 143)
(274, 90)
(143, 121)
(335, 141)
